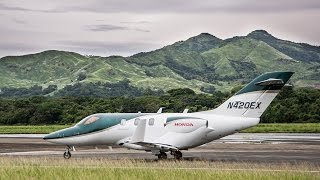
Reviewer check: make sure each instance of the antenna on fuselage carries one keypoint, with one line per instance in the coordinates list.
(185, 111)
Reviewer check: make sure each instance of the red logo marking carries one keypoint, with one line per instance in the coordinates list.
(183, 124)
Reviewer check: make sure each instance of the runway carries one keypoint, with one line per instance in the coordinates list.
(241, 147)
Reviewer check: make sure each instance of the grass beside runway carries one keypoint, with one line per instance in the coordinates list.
(32, 129)
(260, 128)
(285, 128)
(95, 168)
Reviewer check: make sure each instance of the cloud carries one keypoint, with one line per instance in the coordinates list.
(105, 27)
(19, 21)
(136, 22)
(16, 46)
(167, 6)
(12, 8)
(107, 45)
(109, 27)
(81, 46)
(191, 6)
(35, 8)
(108, 48)
(39, 24)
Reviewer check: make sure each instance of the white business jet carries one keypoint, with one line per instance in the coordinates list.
(160, 133)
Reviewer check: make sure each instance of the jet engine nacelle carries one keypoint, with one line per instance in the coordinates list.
(185, 125)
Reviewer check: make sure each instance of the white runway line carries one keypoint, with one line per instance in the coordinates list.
(270, 137)
(35, 136)
(30, 153)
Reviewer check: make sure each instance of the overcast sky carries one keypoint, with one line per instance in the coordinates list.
(118, 27)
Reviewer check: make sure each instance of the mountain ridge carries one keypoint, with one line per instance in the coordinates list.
(200, 62)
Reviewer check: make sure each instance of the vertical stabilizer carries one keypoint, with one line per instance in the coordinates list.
(254, 98)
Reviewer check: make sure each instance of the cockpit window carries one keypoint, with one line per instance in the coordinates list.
(91, 120)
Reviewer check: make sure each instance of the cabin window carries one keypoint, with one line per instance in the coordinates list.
(136, 121)
(151, 121)
(123, 122)
(91, 120)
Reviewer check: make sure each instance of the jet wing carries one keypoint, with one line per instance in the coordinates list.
(157, 146)
(139, 134)
(140, 138)
(153, 134)
(148, 130)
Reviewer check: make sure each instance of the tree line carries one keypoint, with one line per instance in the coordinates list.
(291, 105)
(97, 89)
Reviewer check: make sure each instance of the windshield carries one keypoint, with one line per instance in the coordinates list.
(89, 120)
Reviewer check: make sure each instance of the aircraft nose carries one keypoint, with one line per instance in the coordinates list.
(68, 132)
(53, 135)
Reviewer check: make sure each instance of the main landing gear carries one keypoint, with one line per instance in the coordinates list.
(162, 155)
(176, 154)
(67, 153)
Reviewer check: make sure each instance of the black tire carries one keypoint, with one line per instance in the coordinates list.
(178, 155)
(162, 155)
(67, 155)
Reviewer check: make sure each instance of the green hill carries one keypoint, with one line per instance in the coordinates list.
(201, 62)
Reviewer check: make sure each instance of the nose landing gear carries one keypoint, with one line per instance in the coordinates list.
(67, 153)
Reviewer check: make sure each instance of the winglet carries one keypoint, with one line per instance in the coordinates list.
(160, 110)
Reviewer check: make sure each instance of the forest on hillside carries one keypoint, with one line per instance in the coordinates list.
(291, 105)
(97, 90)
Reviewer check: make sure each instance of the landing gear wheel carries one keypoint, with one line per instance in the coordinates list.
(67, 155)
(162, 155)
(177, 155)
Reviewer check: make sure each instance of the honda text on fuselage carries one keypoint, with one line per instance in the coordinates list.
(160, 133)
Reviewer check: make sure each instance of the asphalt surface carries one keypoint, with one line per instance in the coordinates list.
(241, 147)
